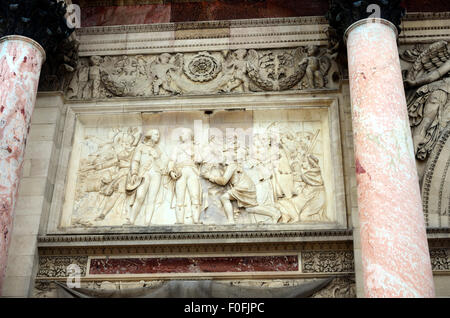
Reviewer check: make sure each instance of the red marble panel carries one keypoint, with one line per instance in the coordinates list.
(193, 265)
(234, 9)
(426, 5)
(125, 15)
(209, 10)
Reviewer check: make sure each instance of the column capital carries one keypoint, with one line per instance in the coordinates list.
(368, 21)
(42, 21)
(25, 39)
(344, 13)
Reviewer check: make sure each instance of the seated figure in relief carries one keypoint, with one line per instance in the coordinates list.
(148, 165)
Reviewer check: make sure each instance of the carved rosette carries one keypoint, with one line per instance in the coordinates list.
(203, 67)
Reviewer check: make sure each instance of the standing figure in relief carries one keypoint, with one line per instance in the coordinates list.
(144, 180)
(309, 202)
(313, 193)
(283, 177)
(95, 76)
(316, 67)
(160, 72)
(184, 172)
(236, 70)
(429, 104)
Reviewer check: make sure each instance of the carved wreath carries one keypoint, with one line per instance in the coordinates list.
(203, 67)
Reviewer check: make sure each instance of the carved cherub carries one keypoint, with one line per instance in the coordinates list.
(94, 75)
(160, 72)
(317, 66)
(236, 66)
(429, 105)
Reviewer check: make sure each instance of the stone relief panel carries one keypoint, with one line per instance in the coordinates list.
(427, 83)
(201, 168)
(226, 71)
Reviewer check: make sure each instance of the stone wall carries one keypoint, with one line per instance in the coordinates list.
(35, 193)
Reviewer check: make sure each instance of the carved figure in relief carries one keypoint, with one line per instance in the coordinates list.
(236, 72)
(429, 105)
(260, 165)
(161, 69)
(94, 76)
(148, 165)
(241, 188)
(278, 179)
(282, 172)
(308, 200)
(309, 203)
(78, 86)
(184, 172)
(104, 171)
(317, 66)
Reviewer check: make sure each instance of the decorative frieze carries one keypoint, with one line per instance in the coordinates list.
(57, 266)
(204, 72)
(340, 287)
(327, 261)
(440, 259)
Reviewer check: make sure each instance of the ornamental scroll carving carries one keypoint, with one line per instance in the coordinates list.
(427, 82)
(268, 172)
(227, 71)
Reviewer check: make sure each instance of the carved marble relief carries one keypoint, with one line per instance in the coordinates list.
(229, 167)
(227, 71)
(427, 82)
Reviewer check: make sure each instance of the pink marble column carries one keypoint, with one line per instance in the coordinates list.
(21, 60)
(394, 247)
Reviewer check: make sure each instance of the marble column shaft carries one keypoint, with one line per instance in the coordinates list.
(21, 60)
(394, 247)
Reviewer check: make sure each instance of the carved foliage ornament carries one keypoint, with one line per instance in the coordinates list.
(56, 266)
(327, 261)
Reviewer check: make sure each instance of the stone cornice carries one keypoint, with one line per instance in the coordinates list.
(165, 27)
(161, 27)
(421, 16)
(195, 238)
